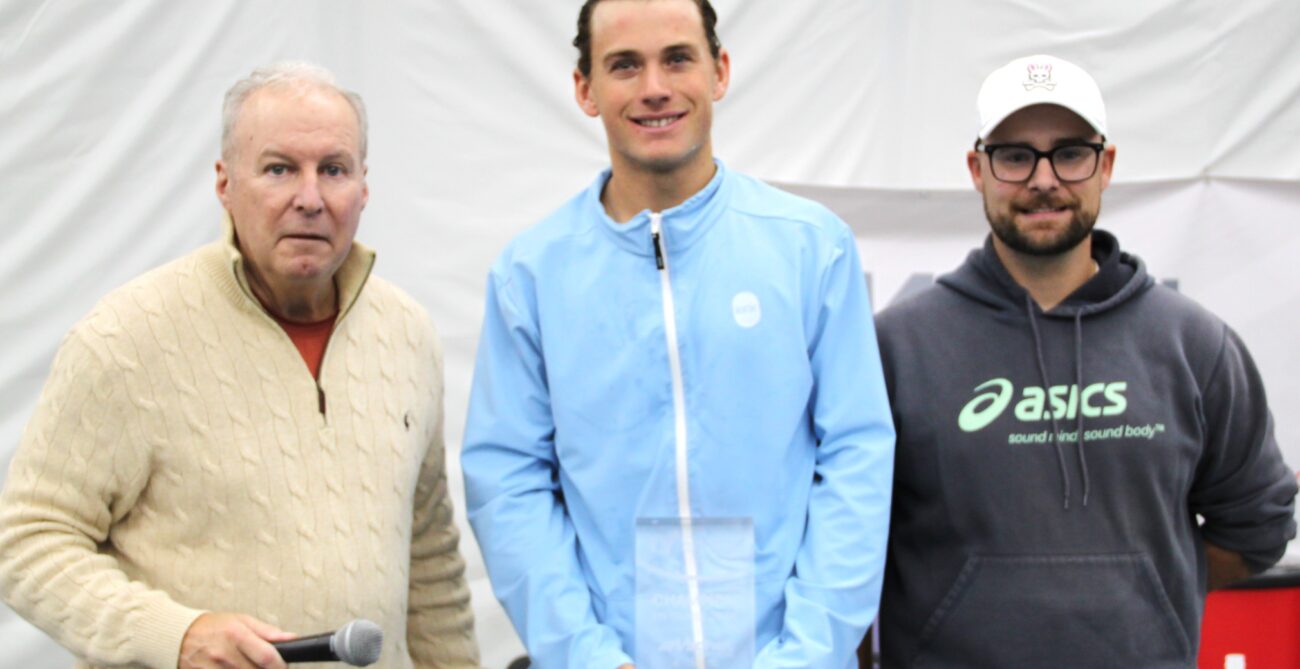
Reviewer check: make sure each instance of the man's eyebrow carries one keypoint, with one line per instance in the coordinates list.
(620, 54)
(682, 47)
(336, 156)
(1074, 140)
(273, 154)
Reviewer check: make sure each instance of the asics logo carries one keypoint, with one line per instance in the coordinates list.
(985, 407)
(1037, 404)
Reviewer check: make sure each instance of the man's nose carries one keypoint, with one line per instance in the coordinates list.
(654, 85)
(308, 198)
(1043, 177)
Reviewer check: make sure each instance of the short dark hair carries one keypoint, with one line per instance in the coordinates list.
(708, 17)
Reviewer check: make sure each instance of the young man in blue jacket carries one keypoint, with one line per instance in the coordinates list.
(683, 357)
(1063, 423)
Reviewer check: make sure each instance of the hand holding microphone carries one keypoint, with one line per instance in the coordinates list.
(231, 641)
(236, 641)
(357, 643)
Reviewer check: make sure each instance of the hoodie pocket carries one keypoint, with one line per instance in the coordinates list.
(1075, 611)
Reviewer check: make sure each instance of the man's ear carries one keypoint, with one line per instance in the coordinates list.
(723, 71)
(1107, 165)
(365, 186)
(582, 93)
(223, 184)
(976, 170)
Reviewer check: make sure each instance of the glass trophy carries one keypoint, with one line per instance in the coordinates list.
(694, 593)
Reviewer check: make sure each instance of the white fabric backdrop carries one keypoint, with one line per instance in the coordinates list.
(109, 125)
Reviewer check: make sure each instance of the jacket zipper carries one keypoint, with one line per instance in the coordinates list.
(679, 432)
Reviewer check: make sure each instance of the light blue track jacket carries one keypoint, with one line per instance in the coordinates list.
(773, 398)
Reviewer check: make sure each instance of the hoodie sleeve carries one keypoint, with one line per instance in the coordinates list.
(512, 495)
(1243, 490)
(834, 593)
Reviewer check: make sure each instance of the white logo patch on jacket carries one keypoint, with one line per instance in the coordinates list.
(746, 310)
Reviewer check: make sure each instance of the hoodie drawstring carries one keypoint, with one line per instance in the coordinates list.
(1047, 389)
(1078, 375)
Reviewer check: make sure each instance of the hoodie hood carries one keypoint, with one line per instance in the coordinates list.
(985, 279)
(1119, 278)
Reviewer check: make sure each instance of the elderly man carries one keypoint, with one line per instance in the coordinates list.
(1081, 452)
(678, 447)
(248, 438)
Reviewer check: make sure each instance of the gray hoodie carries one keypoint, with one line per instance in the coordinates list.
(1015, 544)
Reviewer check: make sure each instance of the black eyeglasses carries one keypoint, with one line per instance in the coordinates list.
(1071, 163)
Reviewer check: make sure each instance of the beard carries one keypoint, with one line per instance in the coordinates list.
(1078, 229)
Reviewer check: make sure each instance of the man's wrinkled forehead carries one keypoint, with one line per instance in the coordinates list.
(278, 109)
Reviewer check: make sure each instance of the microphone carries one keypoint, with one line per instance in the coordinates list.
(357, 643)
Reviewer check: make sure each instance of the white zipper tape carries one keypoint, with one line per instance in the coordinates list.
(679, 425)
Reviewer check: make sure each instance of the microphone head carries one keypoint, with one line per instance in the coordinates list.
(358, 643)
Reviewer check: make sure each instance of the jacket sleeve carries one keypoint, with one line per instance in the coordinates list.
(440, 622)
(79, 469)
(1243, 490)
(512, 496)
(834, 593)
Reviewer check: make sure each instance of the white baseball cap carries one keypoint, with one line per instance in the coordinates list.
(1039, 80)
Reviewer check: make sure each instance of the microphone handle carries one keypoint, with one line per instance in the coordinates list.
(307, 649)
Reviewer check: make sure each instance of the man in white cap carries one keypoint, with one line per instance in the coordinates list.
(1081, 452)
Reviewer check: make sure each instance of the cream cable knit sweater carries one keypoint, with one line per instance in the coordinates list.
(178, 462)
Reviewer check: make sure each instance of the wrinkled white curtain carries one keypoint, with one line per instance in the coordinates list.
(109, 125)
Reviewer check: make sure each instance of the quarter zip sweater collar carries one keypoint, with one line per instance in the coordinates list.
(233, 275)
(682, 225)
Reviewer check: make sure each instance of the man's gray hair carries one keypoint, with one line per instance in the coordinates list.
(289, 74)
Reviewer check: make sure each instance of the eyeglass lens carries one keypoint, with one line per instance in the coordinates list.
(1017, 163)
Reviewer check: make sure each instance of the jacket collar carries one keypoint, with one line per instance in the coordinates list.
(682, 225)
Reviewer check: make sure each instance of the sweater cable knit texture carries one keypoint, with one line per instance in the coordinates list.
(178, 462)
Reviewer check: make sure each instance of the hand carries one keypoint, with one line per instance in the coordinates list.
(1224, 567)
(231, 641)
(628, 666)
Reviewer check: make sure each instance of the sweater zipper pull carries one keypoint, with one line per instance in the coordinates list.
(656, 240)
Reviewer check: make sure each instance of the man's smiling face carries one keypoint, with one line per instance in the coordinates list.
(653, 83)
(1042, 216)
